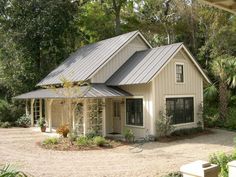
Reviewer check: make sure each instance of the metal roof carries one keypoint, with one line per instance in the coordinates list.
(91, 91)
(143, 65)
(87, 60)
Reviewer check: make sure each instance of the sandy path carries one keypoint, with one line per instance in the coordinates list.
(18, 146)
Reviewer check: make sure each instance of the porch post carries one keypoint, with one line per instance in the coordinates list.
(32, 112)
(104, 118)
(85, 109)
(50, 114)
(26, 108)
(40, 109)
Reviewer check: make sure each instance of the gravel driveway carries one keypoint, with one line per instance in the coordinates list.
(18, 146)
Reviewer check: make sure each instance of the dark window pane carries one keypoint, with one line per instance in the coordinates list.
(134, 112)
(179, 73)
(181, 109)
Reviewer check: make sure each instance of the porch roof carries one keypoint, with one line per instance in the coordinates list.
(91, 91)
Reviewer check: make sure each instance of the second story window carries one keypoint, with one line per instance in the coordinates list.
(179, 73)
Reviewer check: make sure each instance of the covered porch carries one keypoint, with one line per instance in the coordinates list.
(97, 108)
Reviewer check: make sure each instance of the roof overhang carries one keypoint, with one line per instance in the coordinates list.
(227, 5)
(91, 91)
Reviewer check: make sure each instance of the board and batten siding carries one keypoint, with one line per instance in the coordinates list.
(166, 86)
(137, 44)
(143, 91)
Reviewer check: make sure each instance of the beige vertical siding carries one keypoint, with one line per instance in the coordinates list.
(165, 85)
(115, 63)
(140, 91)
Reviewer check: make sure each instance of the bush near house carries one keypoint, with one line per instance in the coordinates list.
(24, 121)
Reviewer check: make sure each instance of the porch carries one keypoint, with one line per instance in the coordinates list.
(98, 109)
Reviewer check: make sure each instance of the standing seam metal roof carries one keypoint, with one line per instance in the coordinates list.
(86, 60)
(143, 65)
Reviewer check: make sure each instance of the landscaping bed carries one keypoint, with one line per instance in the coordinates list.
(81, 143)
(184, 134)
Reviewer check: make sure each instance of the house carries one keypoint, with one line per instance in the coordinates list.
(128, 84)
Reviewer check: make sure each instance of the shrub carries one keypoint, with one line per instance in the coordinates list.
(5, 125)
(129, 135)
(174, 174)
(99, 141)
(72, 136)
(186, 131)
(231, 119)
(222, 159)
(91, 134)
(163, 124)
(24, 121)
(83, 141)
(50, 141)
(41, 122)
(63, 130)
(9, 171)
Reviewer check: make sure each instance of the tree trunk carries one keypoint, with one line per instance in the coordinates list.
(223, 100)
(117, 28)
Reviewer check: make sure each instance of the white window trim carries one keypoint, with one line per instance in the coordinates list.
(194, 107)
(135, 126)
(183, 64)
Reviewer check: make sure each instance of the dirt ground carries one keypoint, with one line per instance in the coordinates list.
(18, 146)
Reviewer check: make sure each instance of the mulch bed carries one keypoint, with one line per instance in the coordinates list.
(65, 145)
(176, 138)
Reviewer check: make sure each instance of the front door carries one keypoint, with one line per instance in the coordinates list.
(116, 116)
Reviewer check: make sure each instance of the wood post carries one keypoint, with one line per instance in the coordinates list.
(40, 109)
(104, 118)
(85, 109)
(26, 108)
(32, 112)
(50, 114)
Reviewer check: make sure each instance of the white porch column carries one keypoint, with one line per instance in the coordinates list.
(26, 108)
(232, 168)
(104, 118)
(85, 115)
(40, 109)
(32, 112)
(50, 114)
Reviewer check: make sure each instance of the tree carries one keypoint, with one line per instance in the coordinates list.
(224, 69)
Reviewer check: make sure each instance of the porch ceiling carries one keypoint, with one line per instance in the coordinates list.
(92, 91)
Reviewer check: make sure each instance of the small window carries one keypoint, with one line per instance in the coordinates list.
(180, 109)
(179, 73)
(134, 112)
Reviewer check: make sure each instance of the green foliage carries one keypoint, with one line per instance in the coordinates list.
(50, 141)
(164, 125)
(222, 159)
(211, 116)
(5, 125)
(174, 174)
(99, 141)
(41, 122)
(10, 171)
(72, 136)
(231, 119)
(187, 131)
(129, 135)
(24, 121)
(83, 141)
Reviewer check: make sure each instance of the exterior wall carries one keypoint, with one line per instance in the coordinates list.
(114, 64)
(60, 113)
(140, 91)
(166, 86)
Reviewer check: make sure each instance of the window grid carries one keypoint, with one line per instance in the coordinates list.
(179, 73)
(134, 112)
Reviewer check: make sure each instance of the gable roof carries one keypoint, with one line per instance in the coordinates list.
(88, 59)
(144, 65)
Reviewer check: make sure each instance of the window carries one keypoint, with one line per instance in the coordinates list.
(134, 112)
(181, 109)
(179, 73)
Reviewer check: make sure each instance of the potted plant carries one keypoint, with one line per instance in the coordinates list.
(42, 124)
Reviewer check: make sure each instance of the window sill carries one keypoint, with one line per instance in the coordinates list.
(135, 126)
(184, 124)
